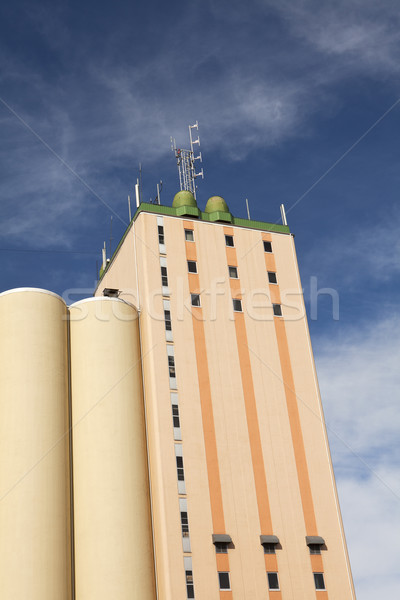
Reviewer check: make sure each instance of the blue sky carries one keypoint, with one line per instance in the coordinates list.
(297, 104)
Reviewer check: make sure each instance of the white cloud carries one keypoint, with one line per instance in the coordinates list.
(363, 33)
(364, 257)
(370, 517)
(359, 377)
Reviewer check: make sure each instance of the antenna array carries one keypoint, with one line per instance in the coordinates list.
(186, 161)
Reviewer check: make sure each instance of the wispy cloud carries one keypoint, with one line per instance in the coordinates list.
(104, 103)
(363, 34)
(360, 380)
(370, 516)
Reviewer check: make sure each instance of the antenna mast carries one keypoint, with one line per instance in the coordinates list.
(186, 161)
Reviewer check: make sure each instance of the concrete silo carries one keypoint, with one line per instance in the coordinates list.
(35, 550)
(112, 521)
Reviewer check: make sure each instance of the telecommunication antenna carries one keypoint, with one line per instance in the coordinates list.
(129, 209)
(158, 196)
(186, 161)
(283, 215)
(248, 209)
(111, 237)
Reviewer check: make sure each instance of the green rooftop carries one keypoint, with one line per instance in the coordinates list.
(184, 204)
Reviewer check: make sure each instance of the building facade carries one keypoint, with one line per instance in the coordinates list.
(189, 451)
(236, 435)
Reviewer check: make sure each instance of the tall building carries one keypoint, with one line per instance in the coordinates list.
(167, 437)
(243, 495)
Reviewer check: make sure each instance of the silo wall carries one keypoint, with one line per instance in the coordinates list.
(112, 520)
(35, 559)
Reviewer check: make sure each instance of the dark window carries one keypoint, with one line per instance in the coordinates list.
(160, 234)
(233, 272)
(224, 583)
(192, 266)
(273, 583)
(319, 581)
(229, 241)
(189, 584)
(189, 236)
(175, 415)
(195, 298)
(269, 548)
(164, 276)
(221, 547)
(272, 277)
(171, 366)
(315, 548)
(277, 310)
(267, 246)
(167, 317)
(179, 468)
(237, 305)
(185, 524)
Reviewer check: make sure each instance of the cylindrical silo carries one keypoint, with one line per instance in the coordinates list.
(35, 557)
(112, 521)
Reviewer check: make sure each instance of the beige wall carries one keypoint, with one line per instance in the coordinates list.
(113, 534)
(271, 414)
(35, 557)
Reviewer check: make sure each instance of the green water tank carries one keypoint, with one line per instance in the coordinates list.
(216, 204)
(184, 198)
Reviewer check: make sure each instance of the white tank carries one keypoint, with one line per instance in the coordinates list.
(35, 557)
(112, 521)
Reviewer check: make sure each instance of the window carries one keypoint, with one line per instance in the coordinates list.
(195, 299)
(277, 310)
(315, 548)
(179, 468)
(221, 547)
(267, 246)
(189, 584)
(160, 234)
(192, 266)
(237, 305)
(229, 241)
(272, 277)
(184, 524)
(167, 317)
(175, 415)
(164, 276)
(233, 272)
(319, 581)
(224, 583)
(273, 583)
(269, 548)
(171, 366)
(189, 236)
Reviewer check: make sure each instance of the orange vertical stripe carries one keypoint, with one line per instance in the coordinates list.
(253, 426)
(260, 480)
(295, 428)
(210, 442)
(207, 415)
(294, 419)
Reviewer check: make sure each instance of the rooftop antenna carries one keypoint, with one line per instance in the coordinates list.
(158, 197)
(186, 161)
(104, 256)
(111, 237)
(137, 193)
(248, 210)
(140, 182)
(283, 215)
(129, 209)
